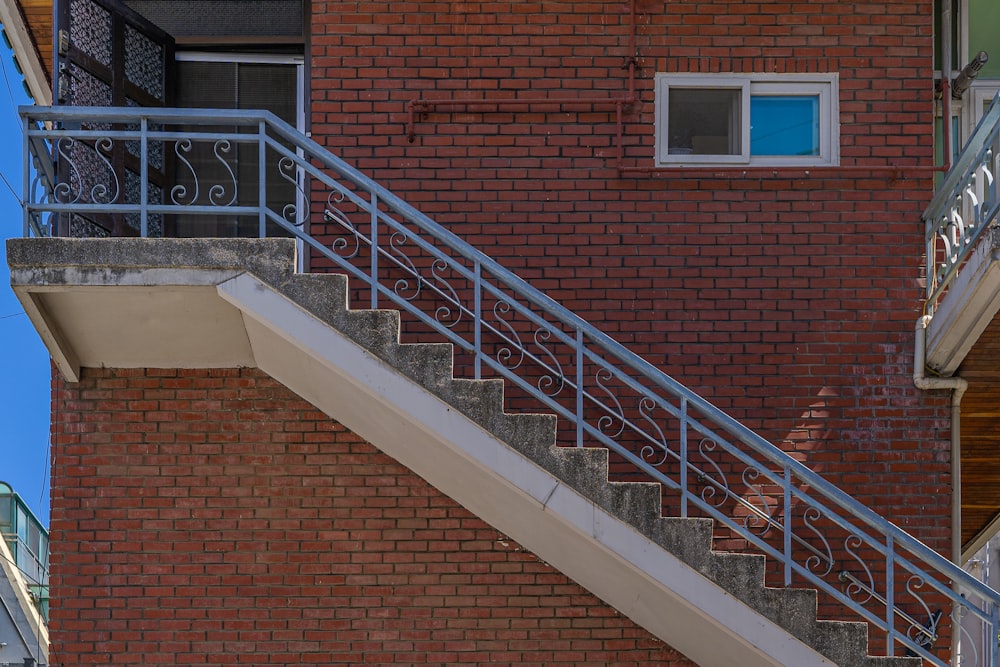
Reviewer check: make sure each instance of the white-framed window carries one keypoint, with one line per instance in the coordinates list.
(980, 96)
(747, 119)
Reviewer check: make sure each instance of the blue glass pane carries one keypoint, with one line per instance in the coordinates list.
(784, 125)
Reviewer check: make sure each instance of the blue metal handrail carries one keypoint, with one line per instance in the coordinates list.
(713, 465)
(964, 206)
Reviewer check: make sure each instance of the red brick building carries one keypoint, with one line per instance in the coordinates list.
(735, 192)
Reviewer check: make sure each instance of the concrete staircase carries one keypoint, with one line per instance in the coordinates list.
(556, 501)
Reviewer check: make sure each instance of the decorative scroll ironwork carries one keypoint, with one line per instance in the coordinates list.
(922, 635)
(607, 422)
(91, 178)
(815, 561)
(759, 519)
(860, 591)
(179, 192)
(648, 452)
(612, 398)
(512, 341)
(552, 381)
(450, 313)
(217, 193)
(402, 287)
(289, 171)
(332, 213)
(716, 489)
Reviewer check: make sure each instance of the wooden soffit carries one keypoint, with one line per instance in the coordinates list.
(981, 435)
(29, 26)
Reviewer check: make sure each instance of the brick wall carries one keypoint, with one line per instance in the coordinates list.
(785, 296)
(213, 517)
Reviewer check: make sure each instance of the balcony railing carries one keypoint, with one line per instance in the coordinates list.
(28, 542)
(965, 205)
(101, 171)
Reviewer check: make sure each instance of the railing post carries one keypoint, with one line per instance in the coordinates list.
(262, 179)
(683, 472)
(374, 258)
(995, 184)
(787, 478)
(144, 177)
(25, 177)
(994, 635)
(890, 597)
(579, 387)
(477, 319)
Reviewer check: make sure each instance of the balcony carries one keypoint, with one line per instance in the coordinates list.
(963, 298)
(28, 543)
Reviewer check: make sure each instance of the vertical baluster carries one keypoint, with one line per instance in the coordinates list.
(262, 179)
(992, 637)
(929, 260)
(374, 249)
(143, 177)
(26, 177)
(477, 321)
(890, 596)
(579, 387)
(995, 184)
(683, 474)
(787, 488)
(970, 212)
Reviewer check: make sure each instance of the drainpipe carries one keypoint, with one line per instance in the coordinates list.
(958, 385)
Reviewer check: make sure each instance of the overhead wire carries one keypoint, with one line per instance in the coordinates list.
(6, 80)
(17, 120)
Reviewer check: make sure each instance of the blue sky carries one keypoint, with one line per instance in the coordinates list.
(24, 373)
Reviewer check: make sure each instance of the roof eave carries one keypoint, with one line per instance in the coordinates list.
(31, 62)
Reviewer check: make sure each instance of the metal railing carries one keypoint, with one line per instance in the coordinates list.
(28, 542)
(964, 206)
(710, 464)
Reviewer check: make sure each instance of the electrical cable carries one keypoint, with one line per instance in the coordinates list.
(10, 92)
(17, 120)
(10, 187)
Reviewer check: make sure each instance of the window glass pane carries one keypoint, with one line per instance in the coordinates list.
(704, 121)
(21, 521)
(983, 22)
(784, 125)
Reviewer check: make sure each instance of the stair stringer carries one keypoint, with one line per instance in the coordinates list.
(557, 502)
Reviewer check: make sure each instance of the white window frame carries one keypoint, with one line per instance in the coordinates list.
(825, 86)
(980, 94)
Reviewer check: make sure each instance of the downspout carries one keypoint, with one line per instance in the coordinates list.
(958, 385)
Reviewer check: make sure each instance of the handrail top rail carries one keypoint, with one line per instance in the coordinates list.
(558, 312)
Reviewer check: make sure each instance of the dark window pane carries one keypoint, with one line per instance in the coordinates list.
(704, 122)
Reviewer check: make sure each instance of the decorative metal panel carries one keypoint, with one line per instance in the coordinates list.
(144, 62)
(86, 90)
(110, 56)
(90, 26)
